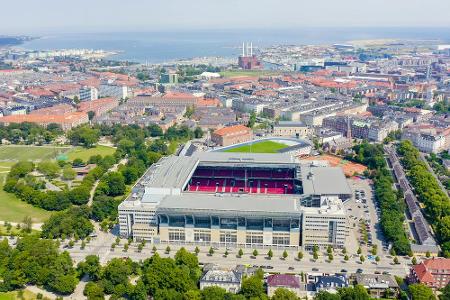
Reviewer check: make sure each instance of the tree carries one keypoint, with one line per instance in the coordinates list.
(284, 294)
(428, 254)
(116, 272)
(68, 173)
(315, 255)
(104, 207)
(323, 295)
(270, 254)
(49, 168)
(329, 249)
(168, 249)
(285, 254)
(125, 247)
(78, 162)
(27, 224)
(198, 133)
(154, 249)
(330, 257)
(196, 250)
(252, 120)
(420, 291)
(67, 223)
(346, 258)
(344, 250)
(155, 130)
(377, 259)
(252, 287)
(211, 251)
(300, 255)
(91, 267)
(30, 262)
(164, 274)
(396, 260)
(140, 247)
(240, 253)
(91, 115)
(362, 258)
(374, 250)
(115, 184)
(83, 135)
(359, 251)
(226, 253)
(255, 253)
(213, 293)
(414, 260)
(138, 292)
(445, 293)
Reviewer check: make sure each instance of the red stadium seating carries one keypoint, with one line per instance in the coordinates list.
(276, 181)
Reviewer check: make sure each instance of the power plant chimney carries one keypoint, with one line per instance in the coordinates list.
(251, 48)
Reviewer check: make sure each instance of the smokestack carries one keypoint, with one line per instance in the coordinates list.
(243, 49)
(251, 48)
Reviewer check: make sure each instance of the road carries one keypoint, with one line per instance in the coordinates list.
(101, 246)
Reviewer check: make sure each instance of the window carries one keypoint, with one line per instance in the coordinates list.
(281, 240)
(202, 237)
(176, 236)
(228, 238)
(254, 239)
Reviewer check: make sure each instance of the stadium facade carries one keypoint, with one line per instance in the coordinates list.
(237, 200)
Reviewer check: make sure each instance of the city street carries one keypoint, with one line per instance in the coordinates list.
(101, 246)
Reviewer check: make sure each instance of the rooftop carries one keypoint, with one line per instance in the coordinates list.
(232, 130)
(324, 181)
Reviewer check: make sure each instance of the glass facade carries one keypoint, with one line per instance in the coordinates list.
(231, 223)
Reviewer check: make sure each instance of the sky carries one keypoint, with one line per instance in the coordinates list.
(46, 16)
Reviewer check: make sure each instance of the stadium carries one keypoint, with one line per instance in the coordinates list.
(237, 200)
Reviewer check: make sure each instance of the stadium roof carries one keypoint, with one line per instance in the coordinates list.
(231, 157)
(324, 181)
(170, 172)
(228, 203)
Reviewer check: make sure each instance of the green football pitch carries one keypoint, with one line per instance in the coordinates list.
(259, 147)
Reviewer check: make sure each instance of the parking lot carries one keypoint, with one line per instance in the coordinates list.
(364, 217)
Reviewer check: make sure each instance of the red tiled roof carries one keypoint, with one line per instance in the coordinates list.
(282, 280)
(437, 263)
(178, 95)
(231, 130)
(424, 269)
(65, 118)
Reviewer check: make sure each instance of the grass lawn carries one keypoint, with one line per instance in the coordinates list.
(30, 152)
(236, 73)
(260, 147)
(13, 209)
(27, 295)
(86, 153)
(14, 231)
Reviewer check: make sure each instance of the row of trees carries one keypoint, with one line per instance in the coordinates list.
(391, 203)
(437, 203)
(163, 278)
(29, 133)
